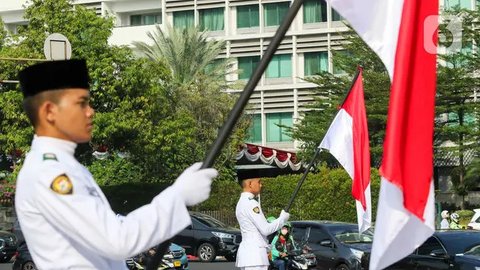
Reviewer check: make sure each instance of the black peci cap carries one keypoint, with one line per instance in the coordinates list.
(254, 173)
(54, 75)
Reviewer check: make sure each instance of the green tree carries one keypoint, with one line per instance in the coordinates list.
(457, 121)
(332, 89)
(133, 114)
(198, 86)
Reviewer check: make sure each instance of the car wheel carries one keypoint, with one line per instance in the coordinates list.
(29, 266)
(206, 252)
(342, 267)
(231, 257)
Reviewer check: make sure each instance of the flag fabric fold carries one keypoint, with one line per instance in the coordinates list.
(397, 31)
(347, 140)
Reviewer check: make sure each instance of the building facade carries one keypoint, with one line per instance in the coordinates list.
(247, 27)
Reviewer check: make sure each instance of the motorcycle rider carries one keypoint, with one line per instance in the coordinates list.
(282, 243)
(454, 221)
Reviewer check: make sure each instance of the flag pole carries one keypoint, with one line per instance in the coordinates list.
(302, 179)
(317, 151)
(237, 110)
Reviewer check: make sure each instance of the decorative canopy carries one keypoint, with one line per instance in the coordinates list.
(256, 154)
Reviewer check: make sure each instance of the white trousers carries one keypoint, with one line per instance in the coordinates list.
(263, 267)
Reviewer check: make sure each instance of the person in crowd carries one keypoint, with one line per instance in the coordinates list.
(454, 220)
(444, 224)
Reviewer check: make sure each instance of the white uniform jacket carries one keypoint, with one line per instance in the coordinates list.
(67, 221)
(255, 229)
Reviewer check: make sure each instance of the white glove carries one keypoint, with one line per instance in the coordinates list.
(194, 184)
(284, 216)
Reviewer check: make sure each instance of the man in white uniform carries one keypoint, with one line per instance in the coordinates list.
(253, 251)
(65, 218)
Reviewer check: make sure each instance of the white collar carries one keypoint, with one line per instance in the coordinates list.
(249, 195)
(45, 143)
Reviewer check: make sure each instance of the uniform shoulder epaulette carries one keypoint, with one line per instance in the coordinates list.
(49, 156)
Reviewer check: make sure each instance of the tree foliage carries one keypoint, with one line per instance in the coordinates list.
(151, 130)
(332, 90)
(457, 113)
(197, 85)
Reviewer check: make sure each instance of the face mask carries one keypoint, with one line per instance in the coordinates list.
(284, 231)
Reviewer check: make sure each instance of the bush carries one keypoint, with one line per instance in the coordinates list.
(325, 195)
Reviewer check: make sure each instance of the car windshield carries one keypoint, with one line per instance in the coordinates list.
(210, 221)
(350, 235)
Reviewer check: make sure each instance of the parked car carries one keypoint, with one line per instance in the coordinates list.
(175, 258)
(208, 237)
(8, 246)
(446, 249)
(475, 221)
(336, 245)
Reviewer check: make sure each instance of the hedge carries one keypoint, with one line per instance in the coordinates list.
(324, 196)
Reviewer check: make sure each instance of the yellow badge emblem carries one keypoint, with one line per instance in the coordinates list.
(256, 210)
(62, 185)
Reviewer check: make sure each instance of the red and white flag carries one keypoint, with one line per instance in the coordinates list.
(347, 140)
(400, 32)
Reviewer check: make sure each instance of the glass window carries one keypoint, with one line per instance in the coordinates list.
(315, 62)
(255, 132)
(145, 19)
(314, 11)
(317, 235)
(275, 131)
(247, 16)
(430, 245)
(280, 66)
(247, 65)
(183, 19)
(336, 16)
(212, 19)
(275, 12)
(453, 4)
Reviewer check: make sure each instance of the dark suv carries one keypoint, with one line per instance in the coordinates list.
(208, 237)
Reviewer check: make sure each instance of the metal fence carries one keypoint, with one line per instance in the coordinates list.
(226, 216)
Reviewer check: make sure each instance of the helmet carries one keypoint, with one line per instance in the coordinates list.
(287, 224)
(444, 214)
(455, 217)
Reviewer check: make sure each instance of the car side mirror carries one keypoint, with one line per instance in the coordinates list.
(326, 243)
(438, 253)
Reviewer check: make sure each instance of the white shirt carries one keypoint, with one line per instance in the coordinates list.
(444, 224)
(80, 230)
(254, 228)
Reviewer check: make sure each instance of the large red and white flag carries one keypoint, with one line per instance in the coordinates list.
(347, 140)
(400, 32)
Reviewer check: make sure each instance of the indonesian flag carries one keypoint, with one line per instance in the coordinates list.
(347, 140)
(400, 32)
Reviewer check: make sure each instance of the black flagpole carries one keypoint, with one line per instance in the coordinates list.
(237, 110)
(317, 151)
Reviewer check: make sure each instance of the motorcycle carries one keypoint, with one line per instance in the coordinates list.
(135, 264)
(298, 259)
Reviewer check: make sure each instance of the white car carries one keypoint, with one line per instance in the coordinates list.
(475, 221)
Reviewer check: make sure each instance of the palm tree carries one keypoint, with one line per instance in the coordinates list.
(198, 86)
(187, 52)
